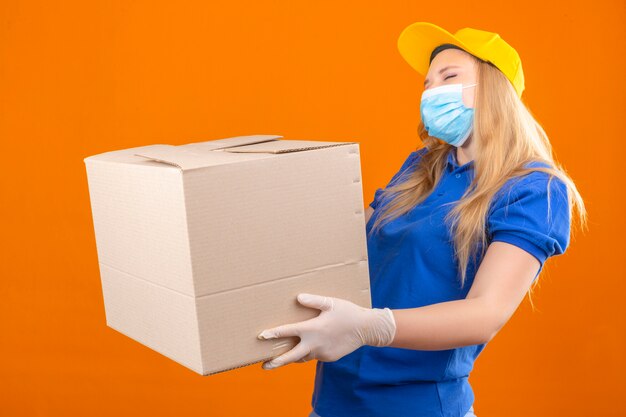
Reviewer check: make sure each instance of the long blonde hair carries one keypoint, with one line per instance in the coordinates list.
(507, 138)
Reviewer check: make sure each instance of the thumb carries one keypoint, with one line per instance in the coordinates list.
(316, 301)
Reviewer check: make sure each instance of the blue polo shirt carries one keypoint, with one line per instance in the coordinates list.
(411, 265)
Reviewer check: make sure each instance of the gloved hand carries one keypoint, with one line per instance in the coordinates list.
(339, 329)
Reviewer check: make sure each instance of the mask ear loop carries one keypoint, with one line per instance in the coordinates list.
(467, 86)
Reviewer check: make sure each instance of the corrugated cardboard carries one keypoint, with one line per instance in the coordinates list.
(202, 246)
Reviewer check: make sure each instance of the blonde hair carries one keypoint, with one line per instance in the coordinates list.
(507, 138)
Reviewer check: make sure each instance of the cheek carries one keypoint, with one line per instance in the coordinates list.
(468, 97)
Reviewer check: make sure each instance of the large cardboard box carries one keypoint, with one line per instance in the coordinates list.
(202, 246)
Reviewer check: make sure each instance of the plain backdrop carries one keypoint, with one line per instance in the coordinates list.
(83, 77)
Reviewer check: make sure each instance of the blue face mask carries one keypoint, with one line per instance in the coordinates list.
(444, 114)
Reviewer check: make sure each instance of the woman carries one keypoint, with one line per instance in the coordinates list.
(455, 240)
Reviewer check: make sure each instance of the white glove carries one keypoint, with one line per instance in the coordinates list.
(339, 329)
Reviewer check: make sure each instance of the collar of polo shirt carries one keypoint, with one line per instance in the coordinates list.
(452, 163)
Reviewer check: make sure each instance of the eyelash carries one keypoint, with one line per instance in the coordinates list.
(449, 76)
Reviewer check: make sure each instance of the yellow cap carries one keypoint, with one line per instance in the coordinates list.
(417, 41)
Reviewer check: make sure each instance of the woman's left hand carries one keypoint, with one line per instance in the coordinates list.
(339, 329)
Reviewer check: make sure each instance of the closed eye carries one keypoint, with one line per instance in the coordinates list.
(449, 76)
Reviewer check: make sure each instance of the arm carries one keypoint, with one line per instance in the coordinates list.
(504, 276)
(523, 238)
(499, 286)
(528, 223)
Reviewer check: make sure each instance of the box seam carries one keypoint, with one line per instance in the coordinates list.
(308, 271)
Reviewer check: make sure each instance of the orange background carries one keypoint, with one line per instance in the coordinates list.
(83, 77)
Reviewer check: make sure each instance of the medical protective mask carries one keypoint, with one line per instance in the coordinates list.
(444, 114)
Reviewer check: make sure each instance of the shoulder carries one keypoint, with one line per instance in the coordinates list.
(532, 211)
(412, 159)
(415, 156)
(534, 186)
(533, 180)
(420, 152)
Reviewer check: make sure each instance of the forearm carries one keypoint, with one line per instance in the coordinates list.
(446, 325)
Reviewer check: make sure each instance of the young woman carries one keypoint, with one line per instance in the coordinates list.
(455, 240)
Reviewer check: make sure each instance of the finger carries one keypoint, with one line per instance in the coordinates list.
(286, 330)
(307, 358)
(301, 350)
(316, 301)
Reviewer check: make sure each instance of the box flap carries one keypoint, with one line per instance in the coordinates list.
(199, 155)
(174, 155)
(283, 146)
(229, 142)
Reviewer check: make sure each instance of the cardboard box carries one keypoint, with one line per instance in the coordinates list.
(202, 246)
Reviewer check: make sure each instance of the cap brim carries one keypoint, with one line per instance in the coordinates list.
(417, 41)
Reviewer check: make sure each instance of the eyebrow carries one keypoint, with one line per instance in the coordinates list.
(441, 71)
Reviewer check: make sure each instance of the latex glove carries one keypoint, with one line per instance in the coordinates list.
(339, 329)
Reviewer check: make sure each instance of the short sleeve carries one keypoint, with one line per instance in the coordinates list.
(409, 162)
(527, 216)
